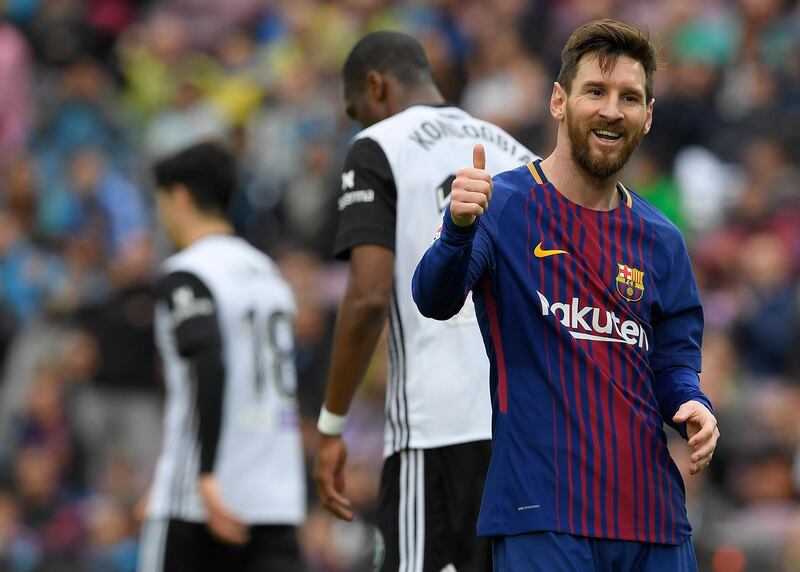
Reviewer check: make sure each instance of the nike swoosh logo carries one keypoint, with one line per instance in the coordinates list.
(540, 252)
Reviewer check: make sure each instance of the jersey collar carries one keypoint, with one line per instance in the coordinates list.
(538, 175)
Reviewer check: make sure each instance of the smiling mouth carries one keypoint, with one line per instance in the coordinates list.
(607, 135)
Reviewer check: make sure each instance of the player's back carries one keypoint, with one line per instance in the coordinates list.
(438, 376)
(259, 458)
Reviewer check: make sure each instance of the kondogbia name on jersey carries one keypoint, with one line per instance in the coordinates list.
(430, 132)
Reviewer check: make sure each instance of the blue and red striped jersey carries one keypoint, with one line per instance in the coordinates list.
(592, 323)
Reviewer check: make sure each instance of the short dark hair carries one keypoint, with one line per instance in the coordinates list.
(207, 170)
(609, 39)
(394, 52)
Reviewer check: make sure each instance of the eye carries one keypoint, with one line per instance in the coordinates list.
(596, 91)
(631, 98)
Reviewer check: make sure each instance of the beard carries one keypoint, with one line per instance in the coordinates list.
(607, 162)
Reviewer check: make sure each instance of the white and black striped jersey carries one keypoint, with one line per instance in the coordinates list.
(396, 184)
(221, 293)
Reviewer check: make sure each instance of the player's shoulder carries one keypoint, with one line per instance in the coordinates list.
(195, 255)
(381, 134)
(415, 122)
(185, 266)
(654, 219)
(512, 182)
(177, 262)
(400, 123)
(507, 186)
(213, 255)
(175, 274)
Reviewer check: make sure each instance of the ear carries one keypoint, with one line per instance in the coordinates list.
(558, 102)
(181, 196)
(648, 121)
(375, 86)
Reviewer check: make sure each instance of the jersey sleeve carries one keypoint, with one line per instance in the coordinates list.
(457, 260)
(193, 317)
(677, 338)
(674, 387)
(368, 200)
(678, 320)
(192, 312)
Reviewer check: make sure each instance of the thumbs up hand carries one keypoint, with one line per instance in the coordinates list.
(471, 190)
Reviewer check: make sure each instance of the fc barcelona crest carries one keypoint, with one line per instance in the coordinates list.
(630, 283)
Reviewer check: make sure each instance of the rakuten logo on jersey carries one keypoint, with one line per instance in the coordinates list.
(590, 323)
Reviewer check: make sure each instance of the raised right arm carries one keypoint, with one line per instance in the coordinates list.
(463, 251)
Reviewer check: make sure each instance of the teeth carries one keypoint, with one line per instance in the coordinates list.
(607, 133)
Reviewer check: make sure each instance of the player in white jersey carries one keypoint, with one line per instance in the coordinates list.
(229, 488)
(395, 186)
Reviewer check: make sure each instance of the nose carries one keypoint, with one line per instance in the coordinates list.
(610, 110)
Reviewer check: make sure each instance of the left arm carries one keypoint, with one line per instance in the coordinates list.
(676, 361)
(197, 337)
(685, 408)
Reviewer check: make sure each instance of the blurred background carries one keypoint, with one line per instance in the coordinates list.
(91, 91)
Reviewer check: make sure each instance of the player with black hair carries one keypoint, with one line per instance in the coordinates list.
(229, 486)
(206, 170)
(395, 186)
(387, 52)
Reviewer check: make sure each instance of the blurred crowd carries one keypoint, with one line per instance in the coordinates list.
(92, 91)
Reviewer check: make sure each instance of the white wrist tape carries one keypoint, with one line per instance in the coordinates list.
(330, 423)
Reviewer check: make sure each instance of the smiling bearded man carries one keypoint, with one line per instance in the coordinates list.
(592, 322)
(608, 159)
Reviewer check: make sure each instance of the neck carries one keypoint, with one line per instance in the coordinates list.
(423, 94)
(576, 185)
(202, 228)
